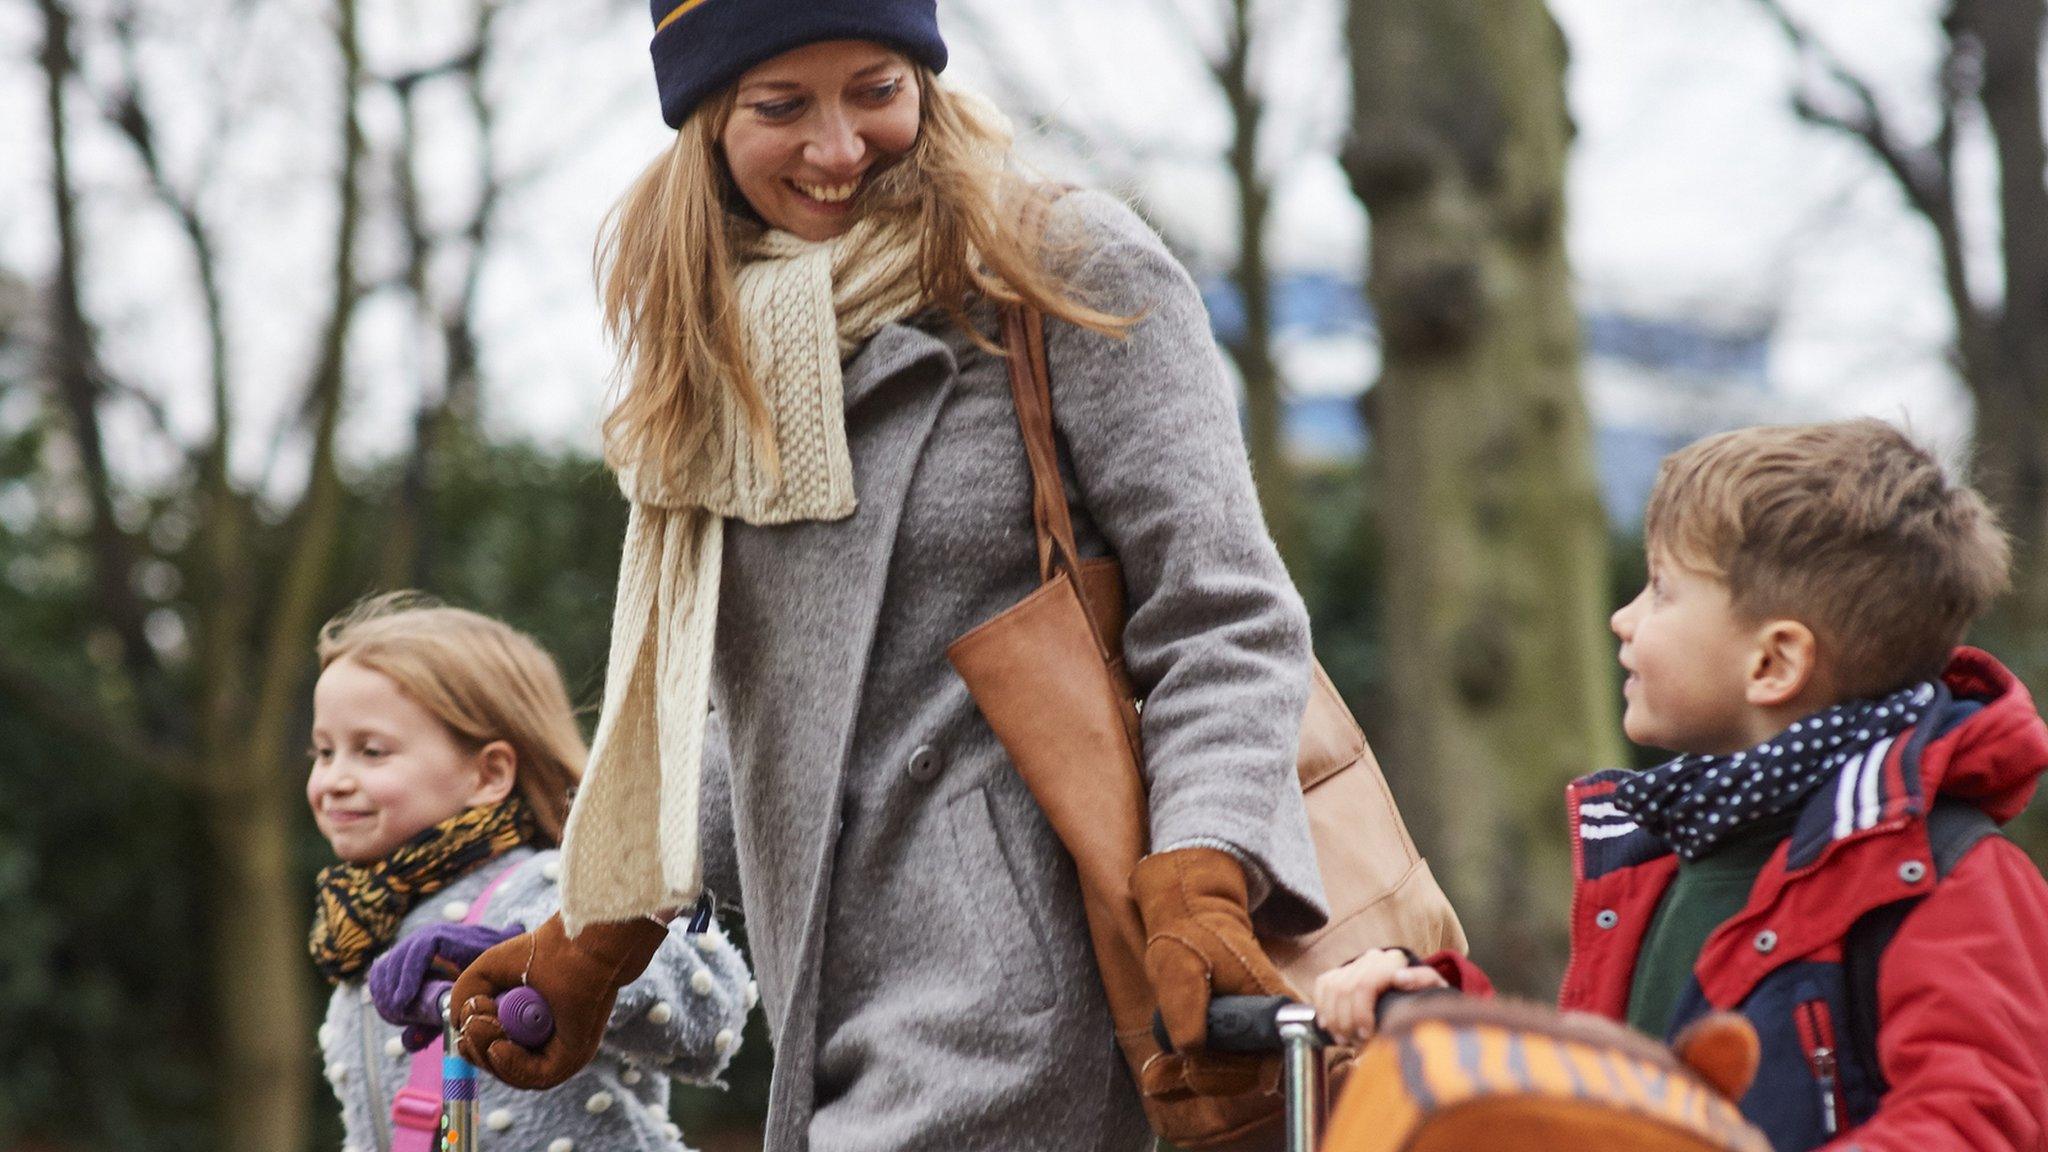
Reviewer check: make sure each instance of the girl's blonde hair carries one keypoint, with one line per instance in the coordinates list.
(665, 262)
(482, 678)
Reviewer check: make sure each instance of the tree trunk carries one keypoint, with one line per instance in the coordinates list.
(261, 996)
(1252, 350)
(1500, 667)
(2001, 350)
(74, 369)
(2012, 390)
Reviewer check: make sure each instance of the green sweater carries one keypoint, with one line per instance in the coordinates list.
(1705, 894)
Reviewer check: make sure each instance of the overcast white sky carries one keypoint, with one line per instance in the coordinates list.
(1694, 190)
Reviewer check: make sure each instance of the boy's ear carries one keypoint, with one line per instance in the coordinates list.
(497, 770)
(1783, 665)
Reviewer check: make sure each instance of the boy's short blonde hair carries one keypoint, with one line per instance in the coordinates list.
(1850, 528)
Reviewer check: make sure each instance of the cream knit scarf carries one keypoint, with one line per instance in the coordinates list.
(630, 847)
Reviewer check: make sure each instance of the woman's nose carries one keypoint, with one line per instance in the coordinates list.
(838, 147)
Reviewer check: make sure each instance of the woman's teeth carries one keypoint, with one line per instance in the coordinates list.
(828, 193)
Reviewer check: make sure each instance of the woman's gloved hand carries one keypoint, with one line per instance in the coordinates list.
(1199, 943)
(579, 976)
(401, 974)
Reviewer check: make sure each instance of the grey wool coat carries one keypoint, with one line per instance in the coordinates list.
(680, 1020)
(916, 927)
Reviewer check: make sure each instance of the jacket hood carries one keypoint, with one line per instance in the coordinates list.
(1995, 746)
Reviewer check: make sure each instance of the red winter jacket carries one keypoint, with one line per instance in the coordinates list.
(1962, 990)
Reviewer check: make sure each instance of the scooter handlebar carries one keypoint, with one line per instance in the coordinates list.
(523, 1012)
(1251, 1024)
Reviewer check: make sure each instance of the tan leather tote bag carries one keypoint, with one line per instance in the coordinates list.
(1048, 675)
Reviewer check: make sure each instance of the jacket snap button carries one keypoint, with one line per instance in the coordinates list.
(924, 764)
(1607, 918)
(1912, 871)
(1766, 940)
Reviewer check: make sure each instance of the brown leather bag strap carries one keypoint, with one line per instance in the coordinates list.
(1031, 388)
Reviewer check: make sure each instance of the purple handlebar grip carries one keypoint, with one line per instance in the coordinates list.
(427, 1009)
(526, 1017)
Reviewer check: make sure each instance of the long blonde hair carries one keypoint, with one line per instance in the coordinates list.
(483, 679)
(665, 263)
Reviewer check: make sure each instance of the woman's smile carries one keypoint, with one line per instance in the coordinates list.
(827, 195)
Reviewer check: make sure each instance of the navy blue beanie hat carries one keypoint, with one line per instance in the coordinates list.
(700, 46)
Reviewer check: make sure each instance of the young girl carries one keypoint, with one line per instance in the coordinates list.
(444, 753)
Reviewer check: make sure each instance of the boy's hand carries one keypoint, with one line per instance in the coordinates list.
(1347, 999)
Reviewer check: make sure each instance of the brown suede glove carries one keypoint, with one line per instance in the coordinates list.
(1198, 943)
(579, 976)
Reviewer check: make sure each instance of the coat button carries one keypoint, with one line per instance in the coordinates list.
(598, 1102)
(701, 982)
(454, 910)
(1912, 872)
(1607, 918)
(394, 1047)
(551, 871)
(724, 1041)
(630, 1077)
(1766, 940)
(499, 1119)
(753, 995)
(562, 1144)
(671, 1131)
(705, 942)
(661, 1013)
(924, 764)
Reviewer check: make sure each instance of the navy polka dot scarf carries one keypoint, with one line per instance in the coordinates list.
(1693, 803)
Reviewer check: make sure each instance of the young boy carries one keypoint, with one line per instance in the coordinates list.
(1842, 768)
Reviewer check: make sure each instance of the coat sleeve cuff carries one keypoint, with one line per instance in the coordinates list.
(1461, 973)
(1258, 885)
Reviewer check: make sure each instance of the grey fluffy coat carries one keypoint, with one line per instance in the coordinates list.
(916, 927)
(618, 1102)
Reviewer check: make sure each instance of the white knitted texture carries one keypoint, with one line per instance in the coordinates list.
(630, 847)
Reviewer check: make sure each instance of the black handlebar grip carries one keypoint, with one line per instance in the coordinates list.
(1236, 1024)
(1245, 1023)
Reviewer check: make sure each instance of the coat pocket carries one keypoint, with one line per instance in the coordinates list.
(994, 904)
(1816, 1026)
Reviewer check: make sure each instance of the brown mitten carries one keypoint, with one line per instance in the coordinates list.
(1199, 943)
(579, 976)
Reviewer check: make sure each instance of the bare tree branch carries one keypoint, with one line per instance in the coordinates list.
(74, 369)
(1917, 169)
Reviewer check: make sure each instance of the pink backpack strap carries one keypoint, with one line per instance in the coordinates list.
(416, 1108)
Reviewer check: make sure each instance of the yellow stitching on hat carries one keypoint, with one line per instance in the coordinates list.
(669, 19)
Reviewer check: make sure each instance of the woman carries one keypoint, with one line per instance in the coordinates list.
(828, 488)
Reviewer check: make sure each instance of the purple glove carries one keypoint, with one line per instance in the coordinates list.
(437, 953)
